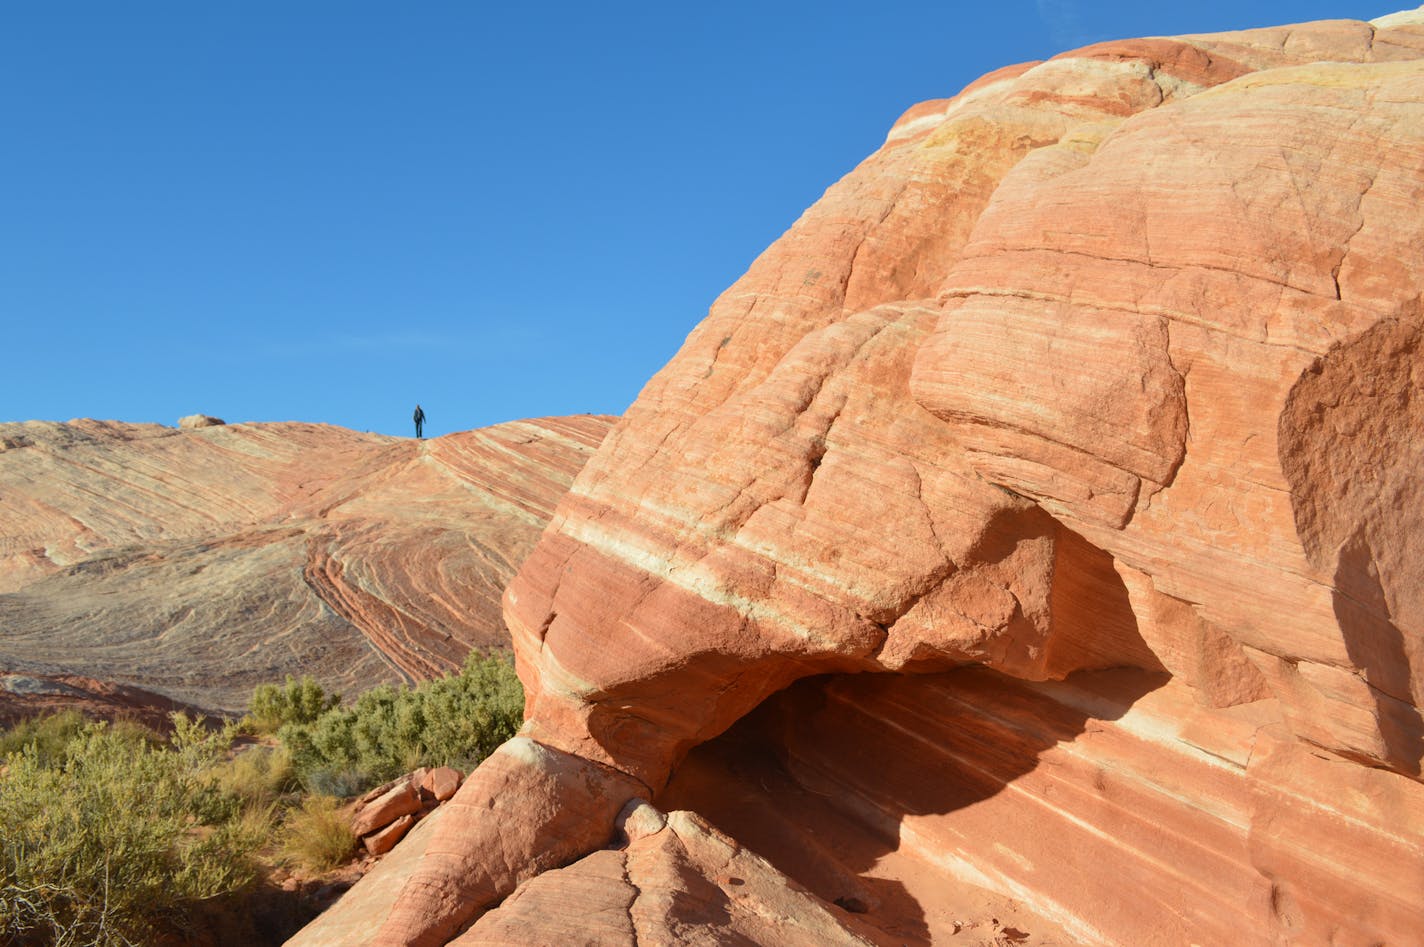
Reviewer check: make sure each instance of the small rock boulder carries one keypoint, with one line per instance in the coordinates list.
(383, 841)
(441, 782)
(200, 420)
(380, 812)
(638, 820)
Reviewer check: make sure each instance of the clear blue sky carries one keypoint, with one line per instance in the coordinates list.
(328, 211)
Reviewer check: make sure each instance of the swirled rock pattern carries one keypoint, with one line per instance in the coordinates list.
(199, 562)
(1110, 361)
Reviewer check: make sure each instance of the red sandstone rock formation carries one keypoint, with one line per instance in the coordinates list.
(198, 563)
(1111, 361)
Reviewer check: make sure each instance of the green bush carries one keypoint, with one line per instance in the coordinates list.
(296, 702)
(109, 836)
(48, 735)
(112, 839)
(454, 721)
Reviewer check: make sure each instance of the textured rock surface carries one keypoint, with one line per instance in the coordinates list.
(1106, 803)
(152, 556)
(352, 920)
(684, 884)
(525, 798)
(1109, 361)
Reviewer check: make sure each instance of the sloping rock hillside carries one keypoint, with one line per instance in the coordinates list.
(1039, 517)
(197, 563)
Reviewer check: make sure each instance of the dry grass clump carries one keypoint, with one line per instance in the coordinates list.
(318, 835)
(260, 775)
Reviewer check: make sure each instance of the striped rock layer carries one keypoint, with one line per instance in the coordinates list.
(199, 563)
(1108, 362)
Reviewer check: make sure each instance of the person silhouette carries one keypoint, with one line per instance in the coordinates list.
(419, 421)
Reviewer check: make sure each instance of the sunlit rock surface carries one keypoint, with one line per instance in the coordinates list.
(1071, 444)
(198, 563)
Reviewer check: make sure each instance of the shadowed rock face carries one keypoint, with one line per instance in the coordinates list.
(1103, 363)
(198, 563)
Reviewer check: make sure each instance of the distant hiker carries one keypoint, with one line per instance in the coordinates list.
(419, 422)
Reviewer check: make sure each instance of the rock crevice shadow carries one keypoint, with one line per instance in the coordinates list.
(831, 779)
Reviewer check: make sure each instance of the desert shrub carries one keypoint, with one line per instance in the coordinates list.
(295, 702)
(318, 835)
(48, 735)
(456, 720)
(259, 775)
(469, 715)
(114, 838)
(339, 781)
(197, 746)
(138, 730)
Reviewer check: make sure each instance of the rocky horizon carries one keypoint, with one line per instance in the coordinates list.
(194, 563)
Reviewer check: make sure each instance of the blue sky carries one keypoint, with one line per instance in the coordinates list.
(328, 211)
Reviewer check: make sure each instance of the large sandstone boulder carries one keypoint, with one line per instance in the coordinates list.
(1111, 361)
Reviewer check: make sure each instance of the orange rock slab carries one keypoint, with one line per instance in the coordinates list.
(382, 841)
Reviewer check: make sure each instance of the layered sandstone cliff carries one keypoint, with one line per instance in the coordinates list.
(1067, 454)
(199, 562)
